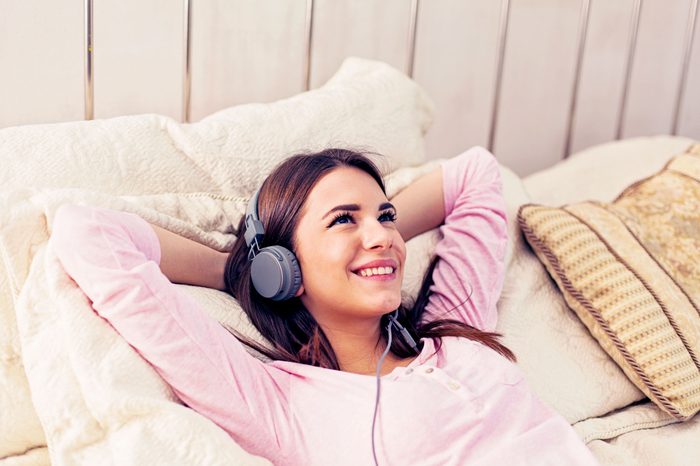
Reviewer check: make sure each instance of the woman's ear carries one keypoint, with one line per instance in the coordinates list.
(300, 291)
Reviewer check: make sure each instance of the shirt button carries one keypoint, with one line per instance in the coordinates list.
(429, 370)
(409, 370)
(453, 385)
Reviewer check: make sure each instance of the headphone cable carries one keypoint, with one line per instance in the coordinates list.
(379, 383)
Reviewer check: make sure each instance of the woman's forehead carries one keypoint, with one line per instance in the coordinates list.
(345, 185)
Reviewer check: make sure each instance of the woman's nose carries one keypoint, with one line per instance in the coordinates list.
(376, 236)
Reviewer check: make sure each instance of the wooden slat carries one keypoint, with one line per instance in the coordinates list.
(689, 115)
(88, 62)
(138, 57)
(186, 51)
(252, 51)
(537, 83)
(41, 52)
(456, 58)
(657, 67)
(602, 73)
(363, 28)
(584, 20)
(246, 51)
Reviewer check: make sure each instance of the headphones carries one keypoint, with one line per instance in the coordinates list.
(275, 271)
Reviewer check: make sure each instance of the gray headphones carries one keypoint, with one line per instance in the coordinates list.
(275, 271)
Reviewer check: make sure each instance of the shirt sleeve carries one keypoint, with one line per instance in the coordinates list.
(114, 258)
(468, 277)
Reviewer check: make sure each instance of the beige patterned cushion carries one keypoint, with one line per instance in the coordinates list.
(630, 270)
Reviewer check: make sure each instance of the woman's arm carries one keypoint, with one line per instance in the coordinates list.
(114, 258)
(189, 262)
(465, 195)
(420, 206)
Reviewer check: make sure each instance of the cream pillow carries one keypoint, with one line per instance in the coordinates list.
(366, 104)
(629, 269)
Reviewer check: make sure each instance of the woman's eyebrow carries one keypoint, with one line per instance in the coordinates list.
(356, 207)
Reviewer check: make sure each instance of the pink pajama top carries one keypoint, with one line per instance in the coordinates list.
(465, 404)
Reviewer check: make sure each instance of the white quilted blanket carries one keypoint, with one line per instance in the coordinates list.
(67, 380)
(94, 397)
(98, 402)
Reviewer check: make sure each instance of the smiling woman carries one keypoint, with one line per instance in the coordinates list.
(345, 293)
(331, 209)
(314, 403)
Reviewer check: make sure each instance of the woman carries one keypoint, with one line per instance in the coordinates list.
(450, 393)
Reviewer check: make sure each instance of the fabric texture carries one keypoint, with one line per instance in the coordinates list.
(629, 270)
(365, 104)
(534, 317)
(193, 179)
(481, 409)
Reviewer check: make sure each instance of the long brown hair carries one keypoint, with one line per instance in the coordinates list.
(290, 328)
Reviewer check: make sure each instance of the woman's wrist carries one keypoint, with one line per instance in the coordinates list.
(219, 268)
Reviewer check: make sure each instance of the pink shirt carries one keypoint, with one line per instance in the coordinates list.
(466, 404)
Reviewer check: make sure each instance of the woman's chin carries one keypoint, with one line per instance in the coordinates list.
(389, 304)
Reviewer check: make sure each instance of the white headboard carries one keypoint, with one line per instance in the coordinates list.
(533, 80)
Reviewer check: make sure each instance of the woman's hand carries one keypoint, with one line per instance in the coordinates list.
(189, 262)
(420, 206)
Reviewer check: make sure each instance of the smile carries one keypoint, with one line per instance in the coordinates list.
(370, 272)
(379, 270)
(380, 274)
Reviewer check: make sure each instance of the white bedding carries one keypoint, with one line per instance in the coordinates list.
(70, 381)
(68, 378)
(639, 434)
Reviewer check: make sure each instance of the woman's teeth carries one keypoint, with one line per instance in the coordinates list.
(376, 271)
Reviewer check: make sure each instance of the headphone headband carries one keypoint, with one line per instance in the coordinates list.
(254, 230)
(274, 272)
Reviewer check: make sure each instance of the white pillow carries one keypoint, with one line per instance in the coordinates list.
(601, 172)
(366, 104)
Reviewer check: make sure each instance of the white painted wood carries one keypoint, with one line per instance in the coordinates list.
(245, 51)
(138, 57)
(689, 118)
(363, 28)
(253, 51)
(41, 52)
(456, 55)
(602, 73)
(537, 83)
(657, 67)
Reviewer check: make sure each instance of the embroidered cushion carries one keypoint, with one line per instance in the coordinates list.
(630, 269)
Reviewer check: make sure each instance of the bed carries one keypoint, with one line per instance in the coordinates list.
(73, 392)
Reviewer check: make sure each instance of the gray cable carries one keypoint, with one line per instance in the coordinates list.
(379, 384)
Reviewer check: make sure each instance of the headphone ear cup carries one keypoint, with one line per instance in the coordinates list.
(292, 280)
(275, 273)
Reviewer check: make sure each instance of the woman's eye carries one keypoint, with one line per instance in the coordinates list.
(387, 216)
(346, 217)
(341, 219)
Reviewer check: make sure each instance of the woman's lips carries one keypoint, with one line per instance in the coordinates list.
(376, 264)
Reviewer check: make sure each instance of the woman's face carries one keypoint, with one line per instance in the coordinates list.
(350, 252)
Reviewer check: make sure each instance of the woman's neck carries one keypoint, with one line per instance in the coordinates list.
(359, 348)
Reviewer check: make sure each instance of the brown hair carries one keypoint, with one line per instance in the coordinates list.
(290, 328)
